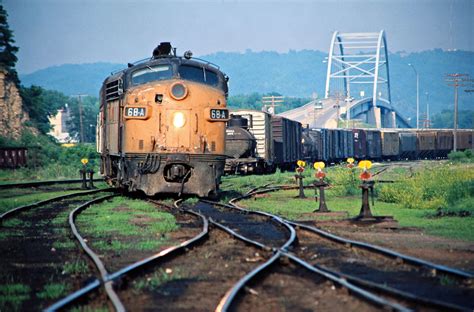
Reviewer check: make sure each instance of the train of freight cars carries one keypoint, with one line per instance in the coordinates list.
(257, 142)
(161, 125)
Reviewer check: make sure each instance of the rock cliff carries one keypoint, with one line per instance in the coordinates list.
(13, 118)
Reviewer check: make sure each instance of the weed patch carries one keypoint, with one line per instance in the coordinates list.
(156, 280)
(12, 296)
(75, 267)
(53, 291)
(123, 223)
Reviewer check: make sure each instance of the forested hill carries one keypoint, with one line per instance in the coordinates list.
(296, 74)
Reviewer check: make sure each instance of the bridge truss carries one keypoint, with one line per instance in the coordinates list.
(358, 67)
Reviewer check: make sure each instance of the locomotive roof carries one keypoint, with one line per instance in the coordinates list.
(168, 59)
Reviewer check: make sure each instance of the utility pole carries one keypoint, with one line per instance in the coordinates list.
(269, 103)
(456, 80)
(81, 123)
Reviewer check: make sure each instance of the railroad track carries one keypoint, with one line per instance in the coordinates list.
(305, 256)
(35, 245)
(280, 250)
(108, 279)
(353, 261)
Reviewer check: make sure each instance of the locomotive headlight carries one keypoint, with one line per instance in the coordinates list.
(179, 120)
(179, 91)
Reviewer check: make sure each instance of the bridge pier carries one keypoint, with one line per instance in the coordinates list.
(374, 117)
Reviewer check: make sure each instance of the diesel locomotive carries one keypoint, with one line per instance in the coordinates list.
(161, 125)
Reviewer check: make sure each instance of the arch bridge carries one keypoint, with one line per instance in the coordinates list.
(358, 65)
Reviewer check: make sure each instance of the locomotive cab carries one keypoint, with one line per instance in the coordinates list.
(162, 125)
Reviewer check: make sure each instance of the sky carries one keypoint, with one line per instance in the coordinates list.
(55, 32)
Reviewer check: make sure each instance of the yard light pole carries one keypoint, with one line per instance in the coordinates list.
(427, 109)
(417, 95)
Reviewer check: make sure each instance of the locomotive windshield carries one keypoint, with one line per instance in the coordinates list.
(198, 74)
(152, 73)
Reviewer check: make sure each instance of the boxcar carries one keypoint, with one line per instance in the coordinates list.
(444, 143)
(287, 141)
(390, 144)
(311, 144)
(426, 144)
(360, 143)
(464, 139)
(348, 144)
(374, 144)
(407, 145)
(13, 157)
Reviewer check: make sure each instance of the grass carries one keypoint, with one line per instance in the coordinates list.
(53, 291)
(10, 203)
(53, 171)
(156, 280)
(445, 207)
(75, 267)
(69, 244)
(123, 223)
(13, 295)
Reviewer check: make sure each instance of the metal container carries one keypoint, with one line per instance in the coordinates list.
(287, 141)
(426, 143)
(359, 143)
(390, 144)
(407, 145)
(13, 157)
(259, 125)
(311, 143)
(444, 143)
(464, 139)
(348, 144)
(374, 144)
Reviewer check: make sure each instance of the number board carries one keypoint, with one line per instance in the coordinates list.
(135, 112)
(219, 114)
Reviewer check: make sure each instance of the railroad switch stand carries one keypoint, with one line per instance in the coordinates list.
(365, 212)
(299, 179)
(322, 198)
(91, 178)
(83, 173)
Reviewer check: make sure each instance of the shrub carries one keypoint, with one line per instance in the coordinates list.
(431, 188)
(343, 180)
(461, 156)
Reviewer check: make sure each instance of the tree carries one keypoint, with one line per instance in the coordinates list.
(89, 108)
(8, 58)
(42, 104)
(445, 119)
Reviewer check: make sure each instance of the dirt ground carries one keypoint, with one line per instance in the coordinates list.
(410, 241)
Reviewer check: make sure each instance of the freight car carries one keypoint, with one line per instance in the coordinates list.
(336, 145)
(13, 157)
(161, 125)
(257, 142)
